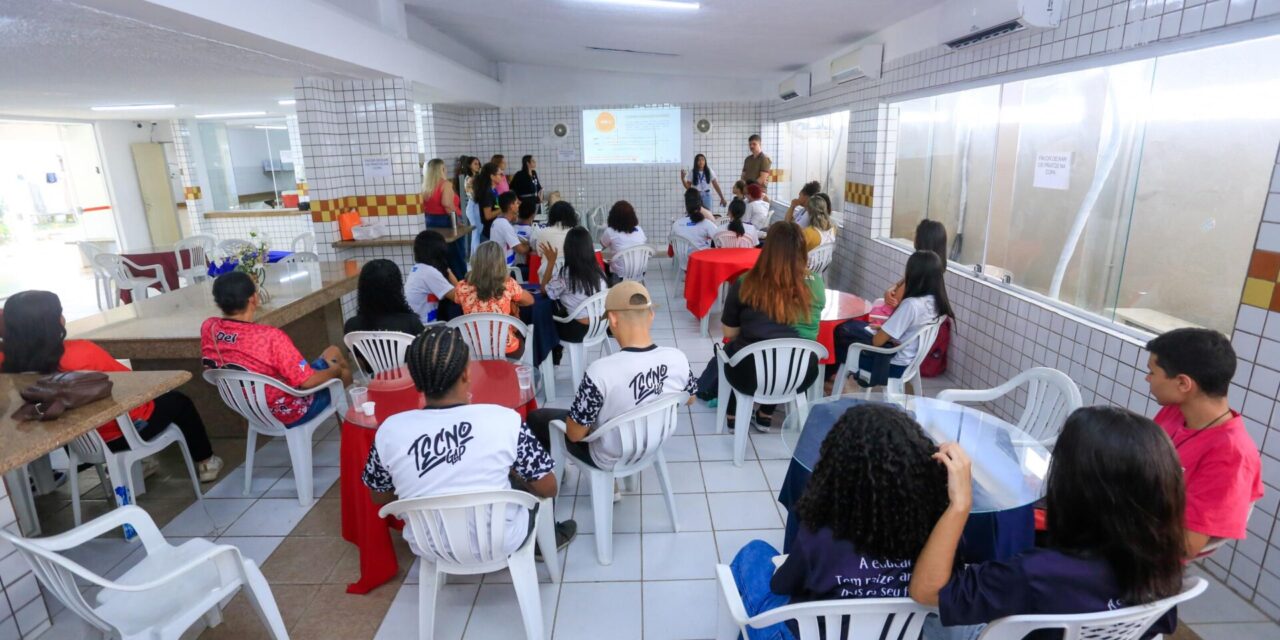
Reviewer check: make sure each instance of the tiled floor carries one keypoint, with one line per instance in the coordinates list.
(660, 585)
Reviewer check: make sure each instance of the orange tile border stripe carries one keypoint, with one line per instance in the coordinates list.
(401, 204)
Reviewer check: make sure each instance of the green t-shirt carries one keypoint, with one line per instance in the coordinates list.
(808, 329)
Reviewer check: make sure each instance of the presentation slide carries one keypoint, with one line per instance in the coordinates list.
(631, 136)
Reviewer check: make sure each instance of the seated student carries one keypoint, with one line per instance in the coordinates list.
(758, 212)
(430, 281)
(696, 226)
(579, 278)
(641, 372)
(525, 228)
(623, 231)
(737, 226)
(740, 190)
(1103, 553)
(865, 514)
(478, 447)
(561, 217)
(778, 298)
(489, 288)
(35, 341)
(1190, 372)
(503, 232)
(235, 341)
(380, 301)
(926, 301)
(820, 230)
(798, 211)
(931, 235)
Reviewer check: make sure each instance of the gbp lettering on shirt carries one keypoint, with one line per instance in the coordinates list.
(445, 446)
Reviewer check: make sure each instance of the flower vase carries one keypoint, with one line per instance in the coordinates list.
(260, 279)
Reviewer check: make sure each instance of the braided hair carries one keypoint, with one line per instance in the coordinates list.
(876, 484)
(436, 360)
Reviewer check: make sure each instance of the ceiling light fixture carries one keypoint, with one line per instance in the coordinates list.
(286, 103)
(133, 107)
(269, 127)
(650, 4)
(234, 114)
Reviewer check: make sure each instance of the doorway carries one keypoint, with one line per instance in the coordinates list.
(53, 195)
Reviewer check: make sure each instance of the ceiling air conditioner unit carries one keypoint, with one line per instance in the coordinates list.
(796, 86)
(969, 22)
(861, 63)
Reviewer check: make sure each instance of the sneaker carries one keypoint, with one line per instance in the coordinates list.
(565, 533)
(149, 467)
(761, 424)
(617, 492)
(209, 469)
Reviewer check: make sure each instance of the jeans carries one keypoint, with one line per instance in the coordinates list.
(319, 402)
(753, 569)
(878, 364)
(177, 409)
(706, 199)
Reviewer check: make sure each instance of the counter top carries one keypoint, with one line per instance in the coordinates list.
(404, 241)
(168, 325)
(22, 442)
(254, 213)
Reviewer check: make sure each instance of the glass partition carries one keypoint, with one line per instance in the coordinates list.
(249, 163)
(813, 148)
(1131, 191)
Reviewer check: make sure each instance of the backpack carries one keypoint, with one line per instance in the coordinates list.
(935, 364)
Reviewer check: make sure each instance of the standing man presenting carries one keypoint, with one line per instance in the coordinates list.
(757, 165)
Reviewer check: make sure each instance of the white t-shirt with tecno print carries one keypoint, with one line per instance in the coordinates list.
(618, 383)
(910, 315)
(470, 447)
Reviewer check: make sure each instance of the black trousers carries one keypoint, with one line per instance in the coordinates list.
(743, 378)
(173, 408)
(572, 331)
(539, 422)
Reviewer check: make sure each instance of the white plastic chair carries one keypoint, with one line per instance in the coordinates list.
(1051, 397)
(682, 248)
(731, 240)
(923, 336)
(486, 336)
(303, 242)
(820, 258)
(380, 350)
(197, 248)
(161, 596)
(300, 257)
(896, 618)
(466, 534)
(631, 264)
(245, 393)
(643, 431)
(91, 448)
(781, 365)
(1128, 623)
(117, 269)
(102, 289)
(597, 333)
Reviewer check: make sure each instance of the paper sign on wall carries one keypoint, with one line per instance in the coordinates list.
(1053, 171)
(286, 156)
(564, 155)
(377, 167)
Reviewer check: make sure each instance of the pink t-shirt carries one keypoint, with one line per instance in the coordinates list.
(1222, 470)
(500, 184)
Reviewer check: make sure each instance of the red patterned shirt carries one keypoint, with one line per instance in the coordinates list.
(259, 348)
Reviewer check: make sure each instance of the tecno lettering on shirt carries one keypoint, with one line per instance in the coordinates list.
(446, 446)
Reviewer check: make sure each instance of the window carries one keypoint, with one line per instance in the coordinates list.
(812, 149)
(1132, 191)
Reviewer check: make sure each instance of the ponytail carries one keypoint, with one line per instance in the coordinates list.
(737, 209)
(693, 205)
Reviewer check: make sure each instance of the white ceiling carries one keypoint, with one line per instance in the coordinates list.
(60, 58)
(727, 38)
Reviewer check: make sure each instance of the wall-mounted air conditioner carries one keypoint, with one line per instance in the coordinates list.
(861, 63)
(969, 22)
(796, 86)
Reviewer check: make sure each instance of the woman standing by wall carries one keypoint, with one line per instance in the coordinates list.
(703, 179)
(441, 206)
(500, 183)
(525, 183)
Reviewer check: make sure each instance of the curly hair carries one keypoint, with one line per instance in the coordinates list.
(876, 483)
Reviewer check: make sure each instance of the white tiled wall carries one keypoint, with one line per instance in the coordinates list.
(279, 231)
(999, 332)
(22, 609)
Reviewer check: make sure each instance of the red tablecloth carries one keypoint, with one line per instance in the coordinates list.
(492, 382)
(840, 307)
(535, 265)
(167, 262)
(708, 269)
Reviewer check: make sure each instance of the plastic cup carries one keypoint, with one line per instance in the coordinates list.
(367, 408)
(524, 373)
(359, 395)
